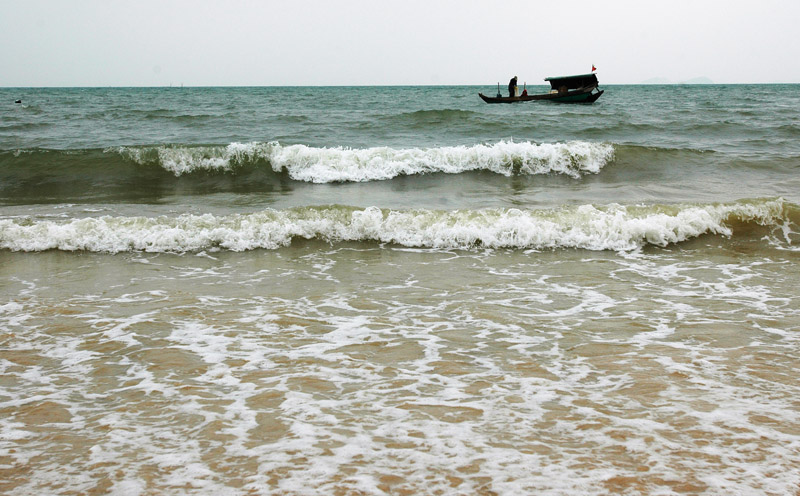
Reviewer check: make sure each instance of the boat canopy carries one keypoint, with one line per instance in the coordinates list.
(573, 82)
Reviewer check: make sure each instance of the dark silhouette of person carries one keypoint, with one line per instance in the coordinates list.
(512, 86)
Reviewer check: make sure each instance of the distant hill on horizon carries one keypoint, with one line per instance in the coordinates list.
(661, 80)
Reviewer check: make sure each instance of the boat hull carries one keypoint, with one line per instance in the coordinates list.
(572, 97)
(506, 99)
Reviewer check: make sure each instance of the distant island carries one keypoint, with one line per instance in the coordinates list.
(661, 80)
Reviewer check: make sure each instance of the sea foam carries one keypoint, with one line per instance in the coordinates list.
(339, 164)
(613, 227)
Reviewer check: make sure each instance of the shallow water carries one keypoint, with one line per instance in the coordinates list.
(361, 368)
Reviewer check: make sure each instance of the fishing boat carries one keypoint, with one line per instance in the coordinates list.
(563, 89)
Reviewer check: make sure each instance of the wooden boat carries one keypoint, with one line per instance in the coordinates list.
(563, 89)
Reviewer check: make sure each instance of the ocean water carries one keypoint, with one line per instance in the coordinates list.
(399, 290)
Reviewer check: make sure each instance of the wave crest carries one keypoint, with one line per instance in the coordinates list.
(187, 159)
(340, 164)
(614, 227)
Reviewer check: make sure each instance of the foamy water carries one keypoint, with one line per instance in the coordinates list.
(612, 227)
(299, 373)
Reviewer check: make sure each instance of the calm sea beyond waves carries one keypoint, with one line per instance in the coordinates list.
(399, 290)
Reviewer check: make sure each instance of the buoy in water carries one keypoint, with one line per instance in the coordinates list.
(17, 101)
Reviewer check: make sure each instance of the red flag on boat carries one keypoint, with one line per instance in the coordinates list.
(593, 68)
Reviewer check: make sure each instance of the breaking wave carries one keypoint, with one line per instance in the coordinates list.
(336, 164)
(323, 165)
(612, 227)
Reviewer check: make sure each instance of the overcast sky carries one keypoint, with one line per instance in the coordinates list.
(355, 42)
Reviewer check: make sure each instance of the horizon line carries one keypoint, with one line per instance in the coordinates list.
(687, 83)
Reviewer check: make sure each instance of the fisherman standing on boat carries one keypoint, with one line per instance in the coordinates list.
(512, 87)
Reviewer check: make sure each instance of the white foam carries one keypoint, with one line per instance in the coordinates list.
(11, 308)
(612, 227)
(323, 165)
(182, 159)
(338, 164)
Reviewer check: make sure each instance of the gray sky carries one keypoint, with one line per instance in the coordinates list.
(355, 42)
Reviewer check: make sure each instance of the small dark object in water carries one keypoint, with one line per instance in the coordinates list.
(17, 101)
